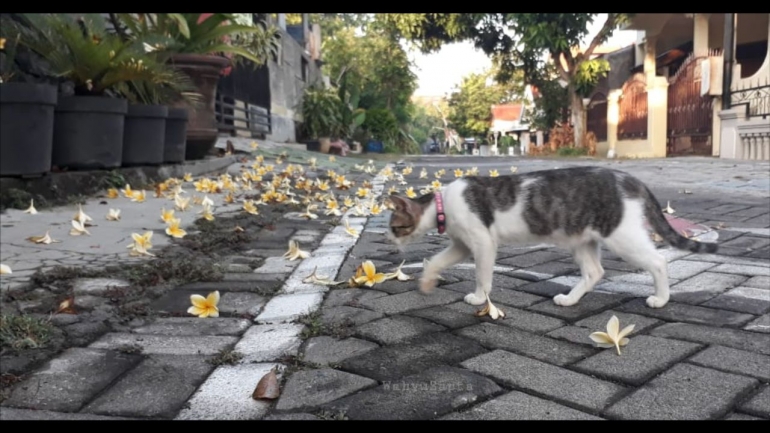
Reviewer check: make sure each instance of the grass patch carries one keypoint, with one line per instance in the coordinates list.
(24, 332)
(314, 327)
(225, 357)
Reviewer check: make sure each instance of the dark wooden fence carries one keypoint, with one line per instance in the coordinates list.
(250, 86)
(632, 119)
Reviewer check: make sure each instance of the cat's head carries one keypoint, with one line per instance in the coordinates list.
(406, 217)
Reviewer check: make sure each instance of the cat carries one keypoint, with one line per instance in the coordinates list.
(575, 208)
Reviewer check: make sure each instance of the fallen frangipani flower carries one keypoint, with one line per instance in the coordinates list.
(5, 269)
(45, 239)
(238, 229)
(423, 173)
(112, 193)
(174, 230)
(668, 209)
(250, 207)
(514, 168)
(166, 215)
(31, 209)
(493, 173)
(78, 228)
(294, 252)
(321, 280)
(113, 215)
(309, 212)
(410, 192)
(206, 213)
(254, 145)
(141, 244)
(613, 337)
(139, 196)
(367, 275)
(458, 172)
(207, 201)
(187, 177)
(127, 191)
(205, 307)
(491, 310)
(397, 274)
(350, 230)
(180, 203)
(82, 217)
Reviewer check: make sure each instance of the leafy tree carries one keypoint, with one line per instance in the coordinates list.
(427, 121)
(472, 101)
(521, 42)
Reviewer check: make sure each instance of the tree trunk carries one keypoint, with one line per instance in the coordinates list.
(578, 117)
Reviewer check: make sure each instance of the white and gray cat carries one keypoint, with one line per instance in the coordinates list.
(575, 208)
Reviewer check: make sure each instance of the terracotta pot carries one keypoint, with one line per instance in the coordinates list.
(204, 70)
(326, 144)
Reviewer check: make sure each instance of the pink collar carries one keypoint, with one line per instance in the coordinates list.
(440, 216)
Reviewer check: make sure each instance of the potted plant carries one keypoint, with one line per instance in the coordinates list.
(505, 142)
(89, 124)
(321, 117)
(204, 46)
(26, 116)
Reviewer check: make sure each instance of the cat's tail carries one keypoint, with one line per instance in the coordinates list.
(659, 223)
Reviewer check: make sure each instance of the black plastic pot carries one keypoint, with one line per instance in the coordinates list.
(313, 146)
(144, 135)
(88, 132)
(26, 128)
(176, 136)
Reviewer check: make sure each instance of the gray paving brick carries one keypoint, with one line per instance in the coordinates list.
(688, 313)
(240, 303)
(525, 343)
(13, 414)
(641, 359)
(759, 404)
(708, 281)
(544, 288)
(742, 299)
(350, 297)
(737, 339)
(532, 259)
(590, 304)
(763, 253)
(195, 326)
(599, 321)
(555, 268)
(427, 395)
(446, 316)
(544, 380)
(292, 417)
(308, 389)
(734, 361)
(748, 243)
(344, 314)
(760, 324)
(574, 334)
(685, 392)
(166, 344)
(156, 388)
(396, 304)
(390, 330)
(413, 356)
(741, 417)
(514, 317)
(256, 286)
(68, 381)
(519, 406)
(750, 271)
(758, 282)
(327, 350)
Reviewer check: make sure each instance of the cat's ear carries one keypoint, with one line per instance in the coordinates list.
(400, 203)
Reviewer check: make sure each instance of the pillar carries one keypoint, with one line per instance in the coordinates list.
(613, 115)
(716, 127)
(649, 57)
(657, 115)
(700, 36)
(539, 138)
(524, 143)
(282, 21)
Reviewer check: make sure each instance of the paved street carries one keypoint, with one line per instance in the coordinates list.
(389, 352)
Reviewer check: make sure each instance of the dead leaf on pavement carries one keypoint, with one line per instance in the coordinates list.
(267, 388)
(66, 306)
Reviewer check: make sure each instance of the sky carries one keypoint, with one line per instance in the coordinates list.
(440, 72)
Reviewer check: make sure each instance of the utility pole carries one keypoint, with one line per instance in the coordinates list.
(729, 55)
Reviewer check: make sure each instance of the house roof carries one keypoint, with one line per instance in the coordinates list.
(510, 112)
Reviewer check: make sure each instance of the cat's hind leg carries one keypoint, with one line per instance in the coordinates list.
(588, 258)
(451, 256)
(484, 254)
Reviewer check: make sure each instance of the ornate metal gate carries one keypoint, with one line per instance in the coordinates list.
(632, 118)
(689, 114)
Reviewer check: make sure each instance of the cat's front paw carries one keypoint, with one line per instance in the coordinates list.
(473, 299)
(656, 302)
(427, 285)
(564, 300)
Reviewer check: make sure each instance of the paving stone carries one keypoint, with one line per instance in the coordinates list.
(717, 258)
(390, 330)
(641, 359)
(574, 334)
(747, 243)
(238, 268)
(427, 395)
(618, 265)
(545, 380)
(158, 387)
(760, 324)
(544, 288)
(226, 395)
(195, 326)
(685, 392)
(555, 268)
(644, 278)
(12, 414)
(350, 297)
(734, 361)
(758, 405)
(763, 253)
(269, 342)
(693, 298)
(529, 275)
(239, 303)
(277, 265)
(395, 287)
(525, 343)
(309, 389)
(751, 271)
(327, 351)
(350, 265)
(737, 339)
(256, 286)
(514, 317)
(285, 308)
(96, 286)
(708, 281)
(743, 299)
(446, 316)
(590, 304)
(599, 321)
(292, 417)
(758, 282)
(396, 304)
(166, 344)
(624, 288)
(68, 381)
(350, 315)
(413, 356)
(255, 277)
(741, 417)
(519, 406)
(674, 312)
(532, 259)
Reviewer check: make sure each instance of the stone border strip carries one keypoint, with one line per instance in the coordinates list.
(226, 393)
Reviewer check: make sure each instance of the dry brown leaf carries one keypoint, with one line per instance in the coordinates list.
(268, 387)
(67, 306)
